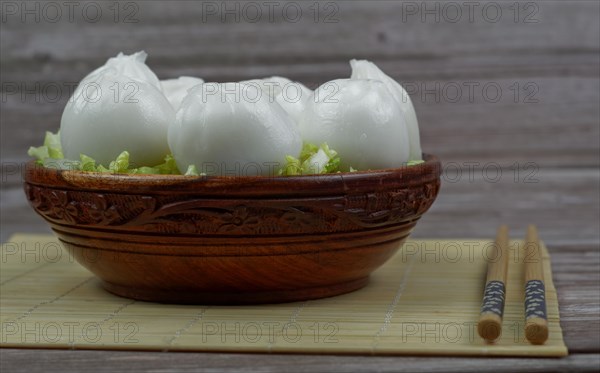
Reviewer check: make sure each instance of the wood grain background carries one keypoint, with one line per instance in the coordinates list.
(543, 130)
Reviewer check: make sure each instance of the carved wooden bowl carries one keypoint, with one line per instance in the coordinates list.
(233, 240)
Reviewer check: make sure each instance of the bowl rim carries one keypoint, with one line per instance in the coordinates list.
(236, 186)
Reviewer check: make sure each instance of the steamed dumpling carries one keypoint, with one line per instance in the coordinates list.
(176, 89)
(361, 120)
(221, 132)
(133, 66)
(111, 112)
(270, 86)
(363, 69)
(291, 96)
(293, 99)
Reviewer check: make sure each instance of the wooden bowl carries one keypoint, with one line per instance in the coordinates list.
(233, 240)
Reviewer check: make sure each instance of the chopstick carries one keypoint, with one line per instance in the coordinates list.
(536, 318)
(489, 326)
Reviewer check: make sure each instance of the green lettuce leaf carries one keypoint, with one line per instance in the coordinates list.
(40, 152)
(318, 160)
(415, 162)
(313, 160)
(87, 163)
(121, 164)
(50, 155)
(192, 171)
(51, 148)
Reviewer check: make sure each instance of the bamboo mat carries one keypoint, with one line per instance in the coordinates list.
(424, 301)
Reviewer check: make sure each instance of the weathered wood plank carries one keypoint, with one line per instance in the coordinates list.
(564, 203)
(100, 361)
(517, 64)
(576, 275)
(178, 32)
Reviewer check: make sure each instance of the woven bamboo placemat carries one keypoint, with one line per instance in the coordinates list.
(424, 301)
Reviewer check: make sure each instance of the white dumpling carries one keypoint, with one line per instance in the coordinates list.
(293, 99)
(133, 66)
(291, 96)
(363, 69)
(110, 113)
(230, 129)
(176, 89)
(361, 120)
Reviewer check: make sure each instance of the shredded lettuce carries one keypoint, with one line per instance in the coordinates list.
(319, 160)
(415, 162)
(192, 171)
(50, 155)
(121, 166)
(50, 149)
(168, 167)
(313, 160)
(40, 152)
(87, 163)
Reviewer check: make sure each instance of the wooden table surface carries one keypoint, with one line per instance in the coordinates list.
(507, 95)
